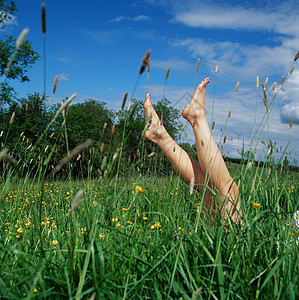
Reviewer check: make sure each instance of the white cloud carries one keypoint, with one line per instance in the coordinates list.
(63, 76)
(173, 63)
(134, 19)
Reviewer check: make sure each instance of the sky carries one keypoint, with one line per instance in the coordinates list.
(96, 48)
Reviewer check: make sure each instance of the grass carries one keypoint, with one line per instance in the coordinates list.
(156, 244)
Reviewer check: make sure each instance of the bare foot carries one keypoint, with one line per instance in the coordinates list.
(154, 128)
(195, 110)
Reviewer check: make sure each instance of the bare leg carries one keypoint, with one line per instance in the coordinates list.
(182, 163)
(209, 156)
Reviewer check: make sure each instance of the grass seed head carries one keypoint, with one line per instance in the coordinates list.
(257, 81)
(167, 73)
(213, 125)
(191, 186)
(216, 68)
(21, 38)
(237, 86)
(229, 113)
(273, 87)
(266, 83)
(291, 122)
(144, 61)
(124, 101)
(77, 200)
(197, 66)
(296, 56)
(148, 66)
(291, 71)
(55, 84)
(12, 118)
(281, 81)
(44, 18)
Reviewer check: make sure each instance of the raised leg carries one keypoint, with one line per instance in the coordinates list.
(209, 156)
(183, 164)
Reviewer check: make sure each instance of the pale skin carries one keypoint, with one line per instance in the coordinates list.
(211, 175)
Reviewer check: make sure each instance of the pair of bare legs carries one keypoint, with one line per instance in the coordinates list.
(210, 175)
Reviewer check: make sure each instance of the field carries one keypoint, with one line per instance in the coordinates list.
(147, 238)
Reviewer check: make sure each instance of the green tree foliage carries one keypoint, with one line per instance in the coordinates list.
(6, 10)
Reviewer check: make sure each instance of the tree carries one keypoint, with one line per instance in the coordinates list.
(21, 60)
(6, 10)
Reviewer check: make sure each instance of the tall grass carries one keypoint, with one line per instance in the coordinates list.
(143, 237)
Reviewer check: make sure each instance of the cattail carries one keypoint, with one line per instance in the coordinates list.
(167, 73)
(229, 113)
(291, 122)
(266, 83)
(113, 129)
(216, 68)
(291, 71)
(237, 86)
(148, 66)
(55, 84)
(21, 38)
(281, 81)
(224, 140)
(124, 101)
(197, 66)
(191, 186)
(44, 18)
(72, 153)
(77, 200)
(257, 81)
(12, 117)
(296, 56)
(213, 125)
(144, 61)
(273, 87)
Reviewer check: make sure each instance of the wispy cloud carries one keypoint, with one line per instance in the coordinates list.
(63, 76)
(133, 19)
(173, 63)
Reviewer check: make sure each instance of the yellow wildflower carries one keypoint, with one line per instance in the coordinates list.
(125, 209)
(20, 230)
(144, 218)
(256, 205)
(54, 242)
(139, 189)
(101, 235)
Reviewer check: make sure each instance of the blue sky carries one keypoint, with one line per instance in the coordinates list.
(96, 47)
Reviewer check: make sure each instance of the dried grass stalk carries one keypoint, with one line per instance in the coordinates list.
(55, 84)
(21, 38)
(296, 56)
(257, 81)
(144, 61)
(291, 122)
(237, 86)
(291, 71)
(44, 18)
(72, 153)
(197, 66)
(273, 87)
(12, 118)
(63, 107)
(167, 73)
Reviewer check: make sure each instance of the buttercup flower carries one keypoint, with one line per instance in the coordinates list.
(256, 205)
(139, 189)
(54, 242)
